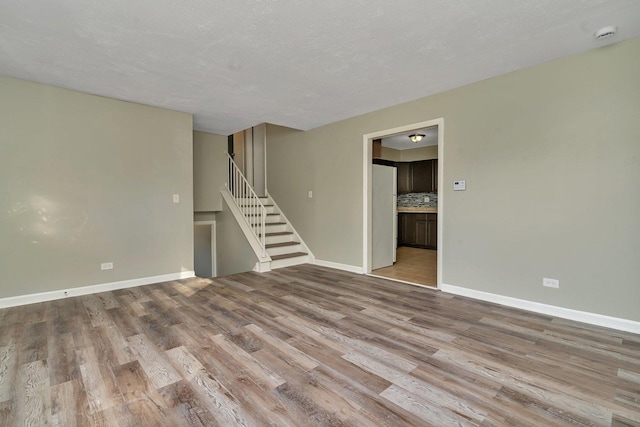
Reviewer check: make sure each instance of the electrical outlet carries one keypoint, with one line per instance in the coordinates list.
(550, 283)
(310, 194)
(106, 266)
(176, 198)
(426, 199)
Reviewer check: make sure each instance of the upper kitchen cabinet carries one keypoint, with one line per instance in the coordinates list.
(422, 177)
(418, 177)
(405, 177)
(434, 172)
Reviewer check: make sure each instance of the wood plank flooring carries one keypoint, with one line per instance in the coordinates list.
(414, 265)
(305, 346)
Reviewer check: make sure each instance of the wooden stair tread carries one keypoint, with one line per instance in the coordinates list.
(285, 256)
(276, 223)
(277, 233)
(257, 214)
(278, 245)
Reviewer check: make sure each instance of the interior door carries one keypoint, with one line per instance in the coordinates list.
(383, 216)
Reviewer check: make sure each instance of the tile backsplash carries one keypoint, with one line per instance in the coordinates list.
(417, 199)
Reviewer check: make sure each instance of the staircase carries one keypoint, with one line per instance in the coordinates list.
(272, 237)
(282, 243)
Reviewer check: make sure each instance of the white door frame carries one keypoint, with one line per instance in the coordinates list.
(366, 188)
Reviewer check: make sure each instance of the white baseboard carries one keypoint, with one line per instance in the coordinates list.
(92, 289)
(551, 310)
(338, 266)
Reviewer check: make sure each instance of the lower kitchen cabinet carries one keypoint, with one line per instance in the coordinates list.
(432, 231)
(406, 229)
(418, 230)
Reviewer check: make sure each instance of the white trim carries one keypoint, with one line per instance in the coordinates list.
(551, 310)
(214, 250)
(344, 267)
(204, 222)
(433, 288)
(441, 187)
(91, 289)
(366, 188)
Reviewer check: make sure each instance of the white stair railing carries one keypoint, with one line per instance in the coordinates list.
(248, 202)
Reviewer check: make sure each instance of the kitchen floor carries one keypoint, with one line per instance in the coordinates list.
(413, 265)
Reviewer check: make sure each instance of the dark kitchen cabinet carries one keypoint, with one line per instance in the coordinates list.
(418, 177)
(406, 229)
(432, 231)
(434, 174)
(418, 230)
(421, 230)
(422, 176)
(405, 177)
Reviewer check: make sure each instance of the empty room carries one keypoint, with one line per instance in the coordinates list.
(320, 213)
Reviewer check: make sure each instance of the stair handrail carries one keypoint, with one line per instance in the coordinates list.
(241, 190)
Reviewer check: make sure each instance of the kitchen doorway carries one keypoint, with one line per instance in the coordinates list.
(413, 265)
(418, 257)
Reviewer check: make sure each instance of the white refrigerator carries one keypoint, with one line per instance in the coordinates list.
(384, 232)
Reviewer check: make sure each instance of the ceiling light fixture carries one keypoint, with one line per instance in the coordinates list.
(605, 32)
(416, 137)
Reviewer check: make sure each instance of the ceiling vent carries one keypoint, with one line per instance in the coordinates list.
(605, 32)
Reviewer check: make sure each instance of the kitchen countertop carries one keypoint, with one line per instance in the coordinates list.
(417, 209)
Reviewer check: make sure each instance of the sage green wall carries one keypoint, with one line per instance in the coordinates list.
(410, 155)
(551, 156)
(323, 161)
(209, 170)
(422, 153)
(86, 180)
(390, 154)
(234, 254)
(203, 258)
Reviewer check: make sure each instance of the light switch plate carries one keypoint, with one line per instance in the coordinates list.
(176, 198)
(459, 185)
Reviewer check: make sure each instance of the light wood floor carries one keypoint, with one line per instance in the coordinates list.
(303, 346)
(413, 265)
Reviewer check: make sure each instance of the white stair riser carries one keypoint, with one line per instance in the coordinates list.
(270, 209)
(269, 219)
(279, 239)
(241, 201)
(270, 228)
(287, 262)
(281, 250)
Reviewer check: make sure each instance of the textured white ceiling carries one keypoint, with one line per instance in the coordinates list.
(302, 64)
(401, 141)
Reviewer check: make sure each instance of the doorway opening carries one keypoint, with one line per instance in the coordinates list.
(419, 225)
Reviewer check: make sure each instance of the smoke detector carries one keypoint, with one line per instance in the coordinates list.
(605, 32)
